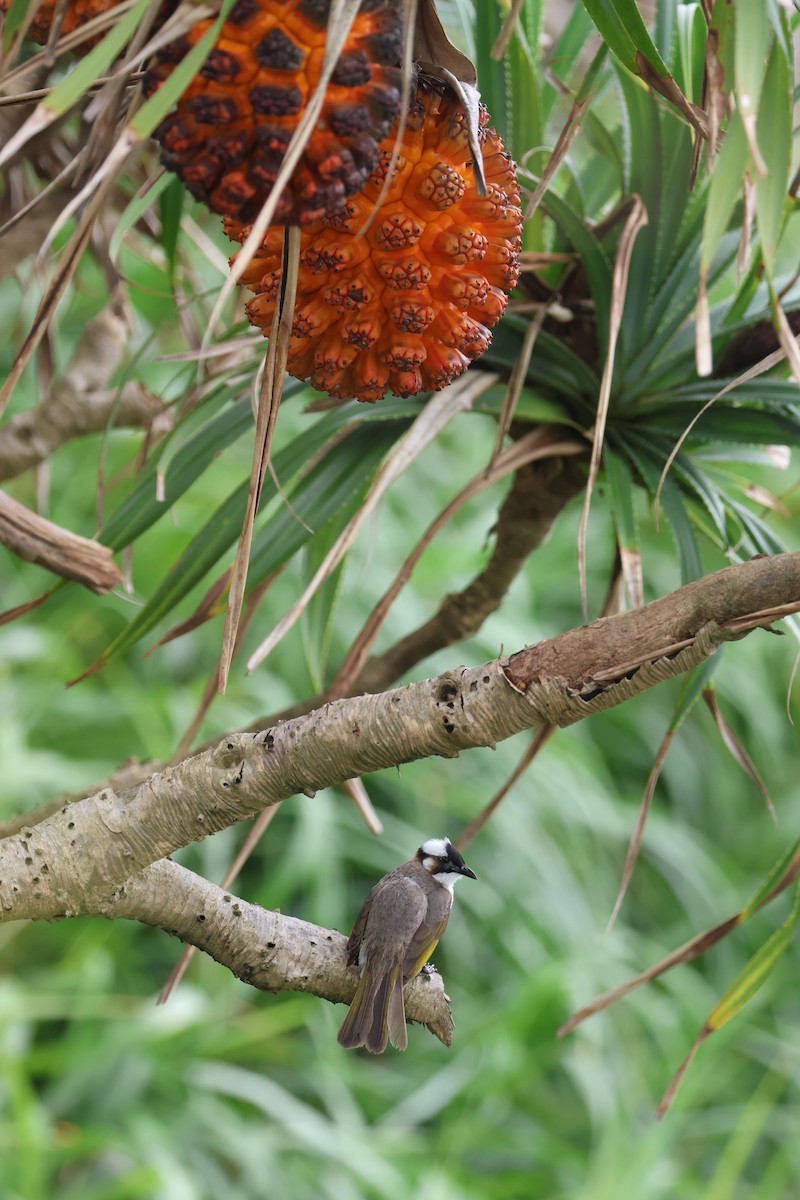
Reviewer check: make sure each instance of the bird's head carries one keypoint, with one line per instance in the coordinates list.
(440, 857)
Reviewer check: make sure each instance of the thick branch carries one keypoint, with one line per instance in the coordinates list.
(271, 951)
(37, 540)
(537, 495)
(68, 863)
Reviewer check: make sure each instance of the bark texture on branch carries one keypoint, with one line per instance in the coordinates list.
(37, 540)
(98, 856)
(72, 860)
(264, 948)
(536, 497)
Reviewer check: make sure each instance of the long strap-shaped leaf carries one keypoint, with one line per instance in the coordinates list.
(455, 398)
(743, 988)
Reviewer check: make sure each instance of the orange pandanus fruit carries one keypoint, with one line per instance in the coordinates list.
(407, 303)
(227, 135)
(229, 132)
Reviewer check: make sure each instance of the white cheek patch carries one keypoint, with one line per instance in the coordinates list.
(436, 847)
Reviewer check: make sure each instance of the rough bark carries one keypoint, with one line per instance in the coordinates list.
(94, 844)
(264, 948)
(37, 540)
(95, 855)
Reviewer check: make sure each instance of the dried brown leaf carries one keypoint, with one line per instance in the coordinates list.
(635, 843)
(269, 402)
(358, 794)
(736, 749)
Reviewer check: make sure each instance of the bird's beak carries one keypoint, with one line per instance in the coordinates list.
(470, 874)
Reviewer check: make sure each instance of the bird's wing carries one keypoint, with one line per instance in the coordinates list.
(398, 904)
(422, 945)
(354, 941)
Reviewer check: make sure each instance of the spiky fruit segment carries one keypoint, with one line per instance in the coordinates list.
(407, 305)
(228, 135)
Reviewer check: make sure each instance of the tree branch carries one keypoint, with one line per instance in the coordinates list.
(68, 863)
(264, 948)
(80, 402)
(537, 495)
(37, 540)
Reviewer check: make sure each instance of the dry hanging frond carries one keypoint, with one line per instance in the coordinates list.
(402, 299)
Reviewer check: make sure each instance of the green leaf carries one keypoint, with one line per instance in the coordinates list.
(692, 32)
(773, 878)
(725, 188)
(525, 80)
(554, 365)
(593, 257)
(751, 48)
(320, 495)
(170, 208)
(757, 971)
(727, 423)
(17, 11)
(134, 209)
(760, 538)
(620, 488)
(649, 464)
(141, 509)
(67, 93)
(774, 134)
(614, 30)
(317, 496)
(492, 74)
(698, 482)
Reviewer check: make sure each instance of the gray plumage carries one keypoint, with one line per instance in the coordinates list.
(397, 930)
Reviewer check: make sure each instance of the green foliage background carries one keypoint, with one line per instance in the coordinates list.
(227, 1092)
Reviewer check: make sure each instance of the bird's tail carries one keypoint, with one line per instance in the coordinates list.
(377, 1014)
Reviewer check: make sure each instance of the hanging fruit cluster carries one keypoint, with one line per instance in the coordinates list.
(405, 267)
(398, 290)
(230, 130)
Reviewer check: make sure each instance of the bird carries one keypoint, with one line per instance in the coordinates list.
(396, 932)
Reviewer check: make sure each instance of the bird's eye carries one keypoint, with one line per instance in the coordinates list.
(443, 858)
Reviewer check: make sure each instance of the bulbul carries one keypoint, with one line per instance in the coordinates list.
(395, 934)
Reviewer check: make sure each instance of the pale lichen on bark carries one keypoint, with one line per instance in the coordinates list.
(97, 855)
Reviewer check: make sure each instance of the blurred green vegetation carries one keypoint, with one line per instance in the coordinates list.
(225, 1090)
(228, 1092)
